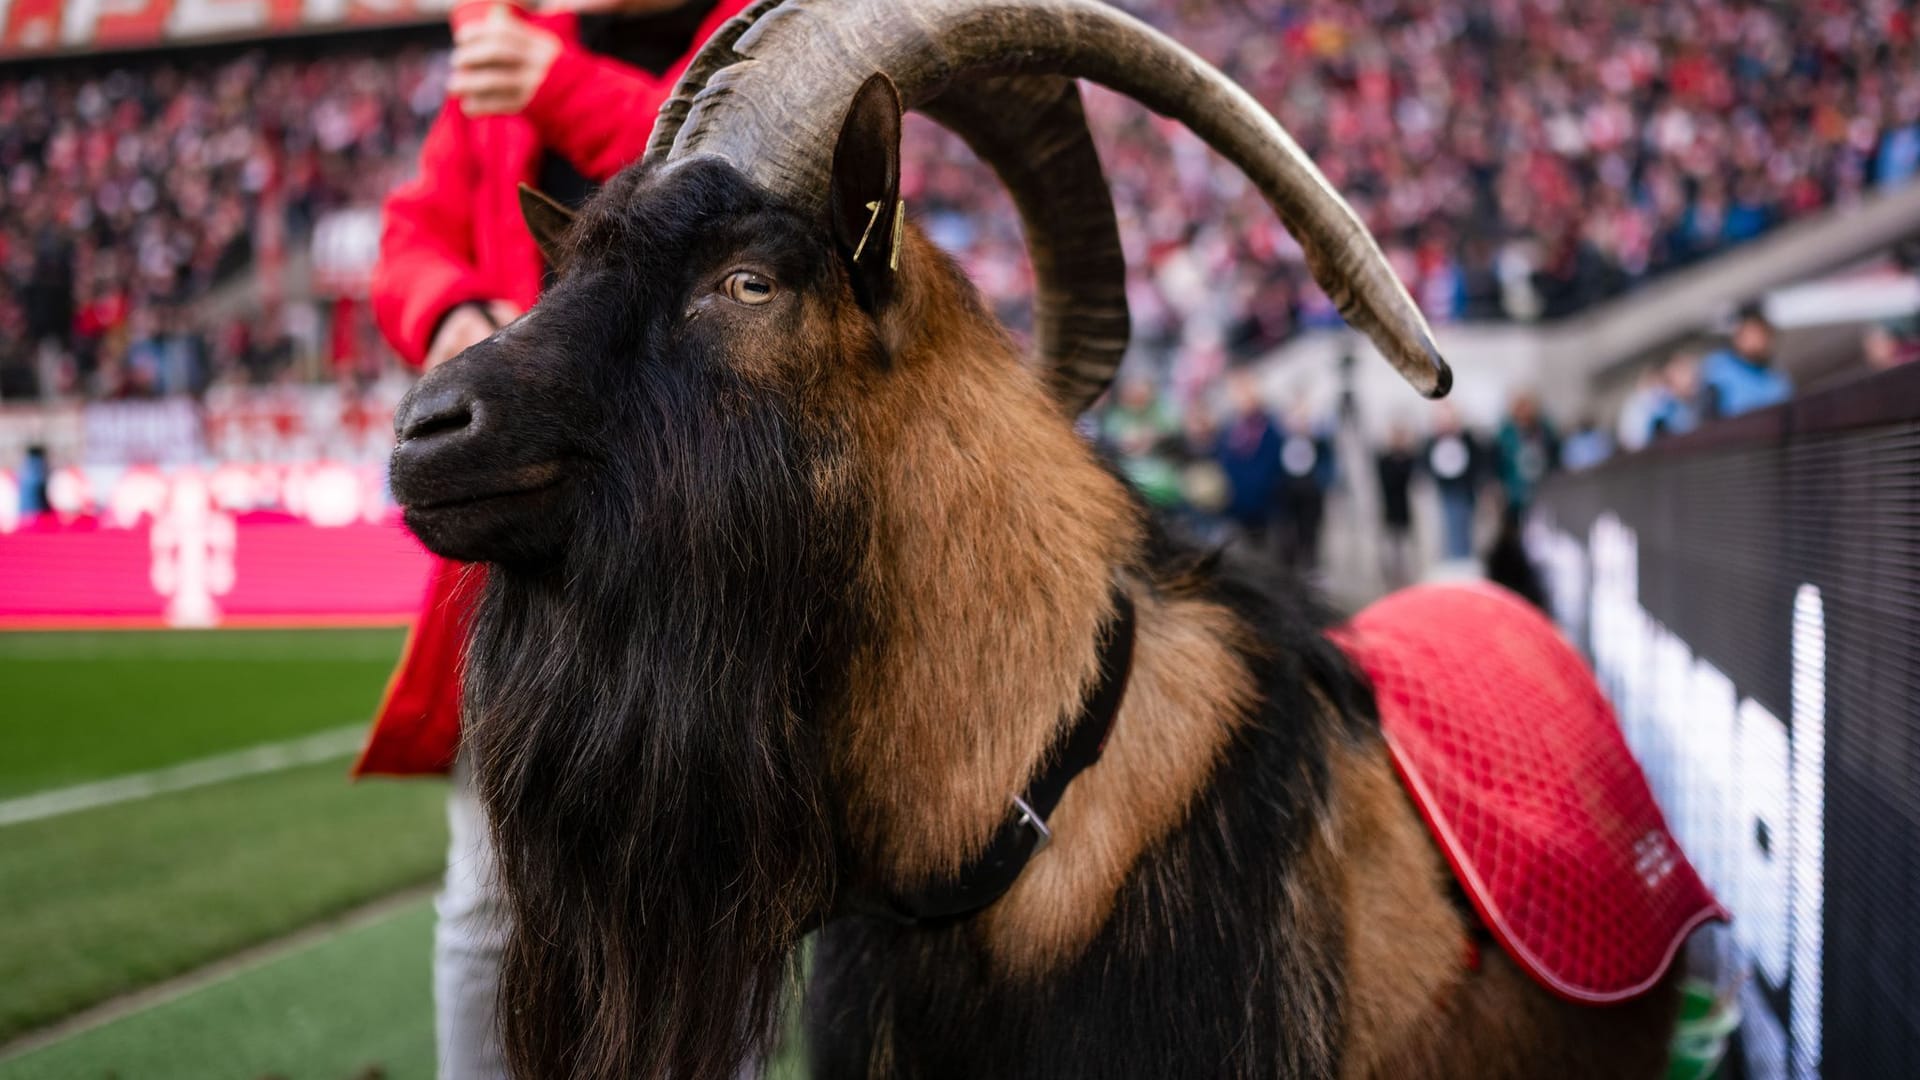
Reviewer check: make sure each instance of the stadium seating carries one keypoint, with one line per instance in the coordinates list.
(1521, 159)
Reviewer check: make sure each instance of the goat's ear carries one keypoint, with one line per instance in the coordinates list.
(865, 198)
(547, 220)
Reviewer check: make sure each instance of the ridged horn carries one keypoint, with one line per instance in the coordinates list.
(772, 104)
(1032, 132)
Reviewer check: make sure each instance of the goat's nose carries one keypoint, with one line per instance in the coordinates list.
(441, 410)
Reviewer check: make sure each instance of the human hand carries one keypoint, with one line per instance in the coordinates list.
(499, 62)
(467, 325)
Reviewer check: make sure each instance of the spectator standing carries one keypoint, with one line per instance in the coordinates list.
(1633, 428)
(1898, 156)
(1740, 377)
(560, 98)
(49, 301)
(1139, 428)
(1507, 562)
(1457, 462)
(1248, 450)
(1662, 403)
(1395, 466)
(1527, 450)
(1204, 489)
(1306, 475)
(33, 482)
(1586, 446)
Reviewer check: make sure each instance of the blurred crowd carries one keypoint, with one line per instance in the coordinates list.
(1517, 158)
(1698, 384)
(1233, 469)
(129, 194)
(1236, 468)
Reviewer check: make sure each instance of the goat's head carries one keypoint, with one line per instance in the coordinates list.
(755, 435)
(769, 199)
(699, 338)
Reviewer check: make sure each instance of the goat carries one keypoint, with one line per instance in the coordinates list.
(800, 576)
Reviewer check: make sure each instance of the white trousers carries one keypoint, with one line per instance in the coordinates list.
(467, 942)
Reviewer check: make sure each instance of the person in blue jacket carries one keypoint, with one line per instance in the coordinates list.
(1741, 376)
(1248, 452)
(34, 475)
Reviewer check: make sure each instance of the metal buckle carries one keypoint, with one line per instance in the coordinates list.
(1039, 824)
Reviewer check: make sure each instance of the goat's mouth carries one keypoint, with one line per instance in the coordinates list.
(508, 516)
(521, 483)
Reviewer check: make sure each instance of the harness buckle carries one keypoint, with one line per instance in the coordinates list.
(1036, 822)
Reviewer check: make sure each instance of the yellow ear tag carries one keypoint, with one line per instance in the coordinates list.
(899, 222)
(868, 231)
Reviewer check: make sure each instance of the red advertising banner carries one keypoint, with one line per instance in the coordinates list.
(311, 545)
(39, 27)
(264, 568)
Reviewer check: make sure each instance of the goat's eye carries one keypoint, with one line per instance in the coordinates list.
(747, 287)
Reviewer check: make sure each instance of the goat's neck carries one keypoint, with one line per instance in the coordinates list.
(997, 541)
(1189, 691)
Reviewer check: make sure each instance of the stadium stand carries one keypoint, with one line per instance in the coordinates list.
(1520, 160)
(132, 191)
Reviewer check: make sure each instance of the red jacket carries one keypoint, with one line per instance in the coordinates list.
(454, 234)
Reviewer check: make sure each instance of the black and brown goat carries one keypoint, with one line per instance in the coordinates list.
(802, 575)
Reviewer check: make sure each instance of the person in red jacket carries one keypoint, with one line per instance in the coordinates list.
(560, 99)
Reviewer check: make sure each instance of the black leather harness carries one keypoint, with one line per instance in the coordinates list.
(1025, 833)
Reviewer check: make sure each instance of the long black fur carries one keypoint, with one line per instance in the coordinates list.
(653, 788)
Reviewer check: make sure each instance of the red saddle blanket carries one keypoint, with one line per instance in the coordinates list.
(1516, 761)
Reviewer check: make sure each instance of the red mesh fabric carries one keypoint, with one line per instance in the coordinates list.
(1517, 764)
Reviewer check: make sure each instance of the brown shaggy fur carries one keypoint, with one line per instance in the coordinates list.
(990, 634)
(1187, 696)
(975, 683)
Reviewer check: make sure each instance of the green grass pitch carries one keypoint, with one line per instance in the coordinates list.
(101, 902)
(85, 706)
(108, 900)
(336, 1010)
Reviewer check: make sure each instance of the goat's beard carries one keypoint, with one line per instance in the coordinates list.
(635, 723)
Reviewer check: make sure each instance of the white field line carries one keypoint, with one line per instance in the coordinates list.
(119, 1008)
(273, 757)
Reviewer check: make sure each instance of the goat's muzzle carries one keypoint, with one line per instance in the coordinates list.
(473, 488)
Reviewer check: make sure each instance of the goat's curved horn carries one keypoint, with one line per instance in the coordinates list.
(1032, 132)
(715, 54)
(773, 107)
